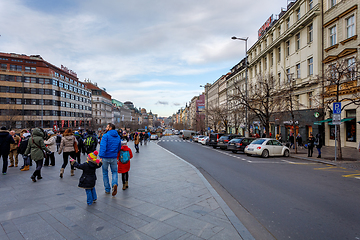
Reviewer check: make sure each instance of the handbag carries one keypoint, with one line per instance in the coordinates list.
(76, 146)
(43, 151)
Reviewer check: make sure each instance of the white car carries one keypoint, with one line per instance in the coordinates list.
(266, 147)
(203, 140)
(154, 137)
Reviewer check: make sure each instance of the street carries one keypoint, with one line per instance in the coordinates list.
(286, 197)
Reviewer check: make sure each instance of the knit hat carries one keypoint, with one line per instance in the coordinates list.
(93, 157)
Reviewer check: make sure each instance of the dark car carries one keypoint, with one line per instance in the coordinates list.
(239, 144)
(224, 140)
(214, 138)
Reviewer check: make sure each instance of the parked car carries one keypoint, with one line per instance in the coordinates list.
(198, 137)
(186, 134)
(224, 140)
(214, 138)
(266, 147)
(239, 144)
(202, 140)
(154, 137)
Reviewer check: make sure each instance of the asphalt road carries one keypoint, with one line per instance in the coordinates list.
(279, 198)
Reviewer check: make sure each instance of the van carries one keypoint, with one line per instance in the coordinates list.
(214, 138)
(186, 134)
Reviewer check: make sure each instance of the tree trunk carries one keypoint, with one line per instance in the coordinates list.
(338, 136)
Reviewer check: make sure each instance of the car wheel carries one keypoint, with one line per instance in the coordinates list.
(214, 147)
(248, 154)
(265, 153)
(286, 153)
(234, 151)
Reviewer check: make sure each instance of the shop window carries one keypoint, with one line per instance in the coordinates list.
(350, 126)
(332, 132)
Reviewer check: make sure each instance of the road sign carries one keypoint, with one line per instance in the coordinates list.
(336, 120)
(337, 108)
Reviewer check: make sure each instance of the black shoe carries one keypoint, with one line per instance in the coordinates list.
(39, 177)
(319, 156)
(33, 178)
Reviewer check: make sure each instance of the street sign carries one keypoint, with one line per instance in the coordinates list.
(336, 120)
(337, 108)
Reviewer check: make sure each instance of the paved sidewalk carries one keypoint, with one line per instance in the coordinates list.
(167, 198)
(351, 156)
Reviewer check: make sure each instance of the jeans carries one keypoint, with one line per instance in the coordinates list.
(91, 195)
(319, 150)
(113, 166)
(26, 160)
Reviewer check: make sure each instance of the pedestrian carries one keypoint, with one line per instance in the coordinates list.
(90, 142)
(13, 154)
(22, 148)
(141, 137)
(80, 141)
(58, 141)
(124, 157)
(291, 140)
(310, 145)
(5, 140)
(299, 140)
(318, 144)
(88, 177)
(51, 144)
(277, 136)
(263, 135)
(36, 148)
(67, 146)
(280, 138)
(110, 146)
(136, 141)
(149, 135)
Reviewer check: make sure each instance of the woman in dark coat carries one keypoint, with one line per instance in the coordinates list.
(310, 145)
(5, 140)
(88, 178)
(318, 143)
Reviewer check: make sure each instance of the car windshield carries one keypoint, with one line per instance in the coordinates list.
(259, 141)
(223, 137)
(235, 140)
(201, 136)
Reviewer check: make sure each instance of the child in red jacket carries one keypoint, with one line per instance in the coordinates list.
(124, 157)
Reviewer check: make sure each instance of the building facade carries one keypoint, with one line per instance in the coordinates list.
(35, 93)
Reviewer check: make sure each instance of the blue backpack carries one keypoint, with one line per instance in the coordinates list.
(124, 156)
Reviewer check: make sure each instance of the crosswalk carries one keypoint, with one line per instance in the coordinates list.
(172, 140)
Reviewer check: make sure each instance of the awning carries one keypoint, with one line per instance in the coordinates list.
(323, 121)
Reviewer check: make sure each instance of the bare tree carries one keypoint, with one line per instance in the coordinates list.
(264, 98)
(341, 81)
(218, 117)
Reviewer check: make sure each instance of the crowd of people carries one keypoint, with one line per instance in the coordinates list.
(39, 146)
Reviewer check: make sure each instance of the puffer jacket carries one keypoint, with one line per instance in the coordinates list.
(5, 140)
(14, 146)
(88, 177)
(110, 144)
(67, 144)
(35, 152)
(51, 143)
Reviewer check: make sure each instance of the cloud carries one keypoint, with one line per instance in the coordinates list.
(162, 103)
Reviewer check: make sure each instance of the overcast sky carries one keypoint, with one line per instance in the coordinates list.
(155, 53)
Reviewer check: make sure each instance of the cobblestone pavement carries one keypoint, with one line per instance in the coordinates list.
(167, 198)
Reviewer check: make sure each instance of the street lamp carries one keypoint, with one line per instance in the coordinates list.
(206, 111)
(246, 84)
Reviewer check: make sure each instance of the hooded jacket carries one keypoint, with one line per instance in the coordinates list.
(124, 167)
(67, 144)
(110, 144)
(5, 140)
(37, 139)
(51, 143)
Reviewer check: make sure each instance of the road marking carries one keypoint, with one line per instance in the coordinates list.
(299, 163)
(356, 175)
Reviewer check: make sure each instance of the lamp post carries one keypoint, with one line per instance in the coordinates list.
(206, 111)
(246, 84)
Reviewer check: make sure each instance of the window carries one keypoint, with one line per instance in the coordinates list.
(288, 74)
(350, 125)
(271, 59)
(332, 31)
(310, 66)
(271, 37)
(310, 33)
(350, 27)
(279, 54)
(279, 31)
(265, 63)
(3, 66)
(310, 4)
(332, 3)
(288, 48)
(297, 102)
(351, 68)
(15, 68)
(310, 99)
(298, 16)
(298, 73)
(298, 41)
(279, 78)
(287, 23)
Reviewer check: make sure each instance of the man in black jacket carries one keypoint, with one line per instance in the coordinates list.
(5, 140)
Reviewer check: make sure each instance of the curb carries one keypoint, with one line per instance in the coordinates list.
(314, 160)
(240, 228)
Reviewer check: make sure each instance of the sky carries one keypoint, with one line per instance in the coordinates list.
(154, 53)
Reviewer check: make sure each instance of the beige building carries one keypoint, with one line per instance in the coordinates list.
(289, 49)
(341, 50)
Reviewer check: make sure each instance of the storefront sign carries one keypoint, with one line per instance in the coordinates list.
(290, 122)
